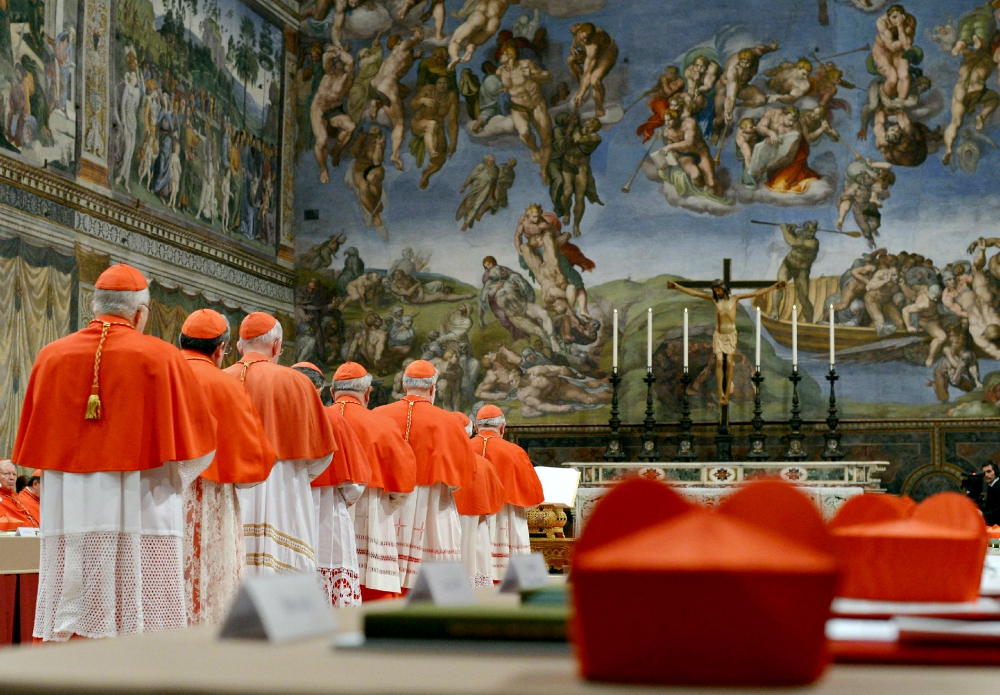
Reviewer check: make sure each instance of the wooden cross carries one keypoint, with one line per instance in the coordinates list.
(724, 438)
(727, 280)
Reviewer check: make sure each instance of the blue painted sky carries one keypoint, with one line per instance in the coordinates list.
(931, 210)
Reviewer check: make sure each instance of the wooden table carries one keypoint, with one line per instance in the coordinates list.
(18, 588)
(193, 661)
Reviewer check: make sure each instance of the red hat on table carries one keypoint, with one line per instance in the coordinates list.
(895, 550)
(256, 324)
(348, 371)
(752, 579)
(121, 278)
(204, 324)
(420, 369)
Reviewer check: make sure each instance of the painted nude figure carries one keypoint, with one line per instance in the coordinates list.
(591, 57)
(482, 20)
(896, 30)
(523, 80)
(327, 110)
(384, 88)
(724, 338)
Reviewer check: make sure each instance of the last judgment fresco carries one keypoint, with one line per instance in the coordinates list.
(196, 118)
(481, 183)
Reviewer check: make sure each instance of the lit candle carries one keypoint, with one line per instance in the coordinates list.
(649, 339)
(757, 349)
(685, 340)
(795, 338)
(614, 342)
(831, 336)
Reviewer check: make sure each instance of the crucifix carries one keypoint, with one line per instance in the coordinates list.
(724, 338)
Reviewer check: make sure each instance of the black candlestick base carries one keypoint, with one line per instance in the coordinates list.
(795, 451)
(685, 440)
(614, 450)
(832, 450)
(649, 451)
(757, 450)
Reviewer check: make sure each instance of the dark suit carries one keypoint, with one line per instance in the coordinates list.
(991, 507)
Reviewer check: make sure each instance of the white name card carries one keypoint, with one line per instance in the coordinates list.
(279, 608)
(525, 573)
(443, 584)
(29, 531)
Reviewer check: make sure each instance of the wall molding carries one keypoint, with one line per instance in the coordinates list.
(59, 200)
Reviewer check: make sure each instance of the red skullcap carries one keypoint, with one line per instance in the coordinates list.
(421, 369)
(204, 324)
(348, 371)
(121, 278)
(256, 324)
(488, 412)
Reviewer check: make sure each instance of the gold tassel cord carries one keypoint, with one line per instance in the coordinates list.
(409, 419)
(94, 402)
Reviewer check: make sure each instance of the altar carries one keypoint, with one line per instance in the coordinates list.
(827, 483)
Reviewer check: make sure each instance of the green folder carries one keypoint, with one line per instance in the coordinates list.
(526, 623)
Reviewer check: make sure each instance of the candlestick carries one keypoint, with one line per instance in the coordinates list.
(614, 342)
(831, 336)
(614, 450)
(649, 338)
(795, 337)
(832, 451)
(757, 451)
(756, 362)
(685, 441)
(795, 451)
(685, 339)
(649, 451)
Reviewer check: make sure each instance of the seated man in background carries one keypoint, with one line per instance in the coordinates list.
(13, 513)
(991, 506)
(31, 495)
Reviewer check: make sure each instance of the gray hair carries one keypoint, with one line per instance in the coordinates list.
(359, 385)
(261, 343)
(491, 423)
(315, 377)
(121, 303)
(410, 382)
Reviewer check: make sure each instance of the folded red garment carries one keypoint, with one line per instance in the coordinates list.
(668, 592)
(895, 550)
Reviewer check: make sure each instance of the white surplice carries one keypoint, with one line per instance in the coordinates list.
(476, 549)
(112, 551)
(427, 530)
(280, 524)
(375, 533)
(509, 530)
(337, 550)
(214, 552)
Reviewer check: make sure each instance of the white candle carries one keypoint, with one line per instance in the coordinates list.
(614, 342)
(685, 339)
(649, 338)
(757, 348)
(795, 338)
(831, 336)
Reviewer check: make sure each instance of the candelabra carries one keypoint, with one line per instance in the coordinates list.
(649, 450)
(795, 437)
(832, 451)
(757, 451)
(685, 441)
(614, 451)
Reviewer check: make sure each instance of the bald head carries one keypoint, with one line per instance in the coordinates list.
(8, 476)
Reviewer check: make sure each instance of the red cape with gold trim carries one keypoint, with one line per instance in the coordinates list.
(394, 467)
(289, 407)
(512, 464)
(438, 441)
(151, 410)
(243, 453)
(350, 463)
